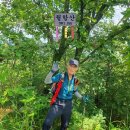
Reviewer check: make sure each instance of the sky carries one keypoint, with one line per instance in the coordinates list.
(118, 16)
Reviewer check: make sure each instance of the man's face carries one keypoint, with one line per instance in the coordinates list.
(72, 69)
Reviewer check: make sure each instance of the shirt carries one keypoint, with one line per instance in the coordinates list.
(67, 88)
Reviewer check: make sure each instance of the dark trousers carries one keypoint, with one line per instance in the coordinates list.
(61, 108)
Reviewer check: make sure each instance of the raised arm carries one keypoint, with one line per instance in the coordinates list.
(48, 79)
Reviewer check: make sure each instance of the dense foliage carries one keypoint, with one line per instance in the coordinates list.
(28, 49)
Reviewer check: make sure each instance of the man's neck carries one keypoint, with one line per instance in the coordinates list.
(70, 76)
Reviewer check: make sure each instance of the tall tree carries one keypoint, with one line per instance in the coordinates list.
(35, 18)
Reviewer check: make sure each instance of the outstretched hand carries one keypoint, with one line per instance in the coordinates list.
(85, 99)
(55, 66)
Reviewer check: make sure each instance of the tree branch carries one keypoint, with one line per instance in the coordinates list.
(115, 32)
(101, 12)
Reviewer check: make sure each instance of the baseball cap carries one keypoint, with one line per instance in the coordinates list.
(74, 62)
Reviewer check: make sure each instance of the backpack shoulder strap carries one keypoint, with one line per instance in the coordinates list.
(59, 86)
(76, 81)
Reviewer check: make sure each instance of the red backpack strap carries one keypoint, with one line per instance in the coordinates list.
(59, 85)
(76, 81)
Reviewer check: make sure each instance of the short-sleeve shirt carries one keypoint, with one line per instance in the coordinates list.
(67, 88)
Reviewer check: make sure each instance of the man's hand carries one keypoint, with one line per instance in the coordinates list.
(55, 67)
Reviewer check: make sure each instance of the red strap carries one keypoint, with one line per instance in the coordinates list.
(59, 85)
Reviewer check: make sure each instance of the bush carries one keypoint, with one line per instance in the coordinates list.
(81, 122)
(27, 107)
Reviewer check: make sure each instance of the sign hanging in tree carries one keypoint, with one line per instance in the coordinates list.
(65, 19)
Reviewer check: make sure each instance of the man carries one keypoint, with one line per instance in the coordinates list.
(63, 104)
